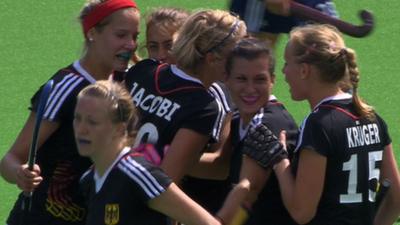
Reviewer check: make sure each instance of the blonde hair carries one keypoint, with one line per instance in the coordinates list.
(203, 32)
(323, 46)
(121, 107)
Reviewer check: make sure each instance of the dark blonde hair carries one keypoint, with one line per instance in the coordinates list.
(323, 46)
(167, 19)
(121, 107)
(203, 32)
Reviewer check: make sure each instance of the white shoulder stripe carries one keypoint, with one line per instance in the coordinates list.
(218, 122)
(141, 176)
(54, 93)
(219, 94)
(59, 93)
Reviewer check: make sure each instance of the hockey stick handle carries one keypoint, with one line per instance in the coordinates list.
(38, 121)
(44, 96)
(307, 13)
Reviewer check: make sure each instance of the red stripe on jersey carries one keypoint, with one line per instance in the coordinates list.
(354, 117)
(173, 90)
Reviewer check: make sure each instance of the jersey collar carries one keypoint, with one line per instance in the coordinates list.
(83, 72)
(99, 181)
(341, 96)
(180, 73)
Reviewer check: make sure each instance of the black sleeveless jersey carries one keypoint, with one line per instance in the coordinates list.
(168, 99)
(353, 147)
(57, 199)
(120, 196)
(269, 208)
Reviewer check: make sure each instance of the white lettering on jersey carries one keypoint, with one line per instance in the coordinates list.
(362, 135)
(162, 107)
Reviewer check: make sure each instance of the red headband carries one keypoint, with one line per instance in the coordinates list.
(104, 9)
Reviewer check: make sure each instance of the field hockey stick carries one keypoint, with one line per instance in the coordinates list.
(307, 13)
(44, 96)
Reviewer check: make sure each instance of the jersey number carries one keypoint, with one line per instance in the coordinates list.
(147, 133)
(373, 173)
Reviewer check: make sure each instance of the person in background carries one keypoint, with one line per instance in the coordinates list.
(267, 19)
(250, 69)
(122, 187)
(110, 30)
(161, 27)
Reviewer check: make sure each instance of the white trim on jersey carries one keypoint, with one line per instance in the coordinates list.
(272, 98)
(180, 73)
(254, 15)
(255, 121)
(303, 124)
(83, 72)
(219, 94)
(141, 176)
(216, 132)
(99, 181)
(59, 93)
(236, 114)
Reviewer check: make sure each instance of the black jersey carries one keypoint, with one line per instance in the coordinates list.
(57, 199)
(353, 147)
(120, 196)
(210, 194)
(168, 99)
(269, 208)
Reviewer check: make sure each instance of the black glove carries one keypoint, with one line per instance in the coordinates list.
(262, 145)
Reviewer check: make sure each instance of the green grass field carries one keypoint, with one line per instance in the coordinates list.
(39, 37)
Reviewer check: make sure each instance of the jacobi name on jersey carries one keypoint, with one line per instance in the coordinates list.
(157, 105)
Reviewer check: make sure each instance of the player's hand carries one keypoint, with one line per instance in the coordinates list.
(280, 7)
(28, 180)
(261, 145)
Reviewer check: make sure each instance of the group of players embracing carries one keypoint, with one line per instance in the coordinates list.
(194, 135)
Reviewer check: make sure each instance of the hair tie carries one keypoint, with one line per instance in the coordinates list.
(103, 10)
(233, 29)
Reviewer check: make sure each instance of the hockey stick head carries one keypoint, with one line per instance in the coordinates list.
(359, 31)
(365, 29)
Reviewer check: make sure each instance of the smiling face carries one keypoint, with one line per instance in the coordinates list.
(114, 44)
(94, 130)
(250, 83)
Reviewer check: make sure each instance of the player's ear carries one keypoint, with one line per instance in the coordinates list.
(91, 34)
(305, 70)
(271, 84)
(121, 129)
